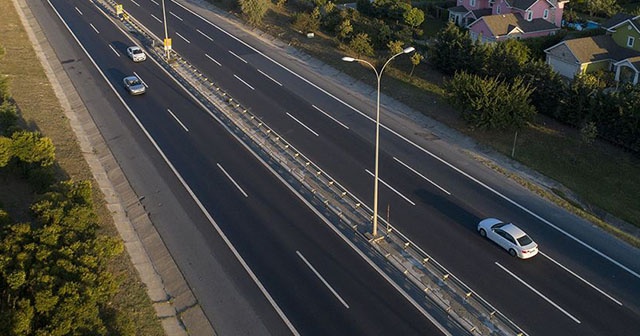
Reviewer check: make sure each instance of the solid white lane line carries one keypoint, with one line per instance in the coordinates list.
(390, 187)
(114, 50)
(303, 125)
(264, 74)
(245, 83)
(182, 37)
(140, 78)
(232, 180)
(322, 279)
(582, 279)
(137, 4)
(155, 17)
(205, 35)
(157, 4)
(78, 10)
(94, 28)
(214, 61)
(537, 292)
(174, 15)
(238, 57)
(178, 120)
(330, 117)
(419, 174)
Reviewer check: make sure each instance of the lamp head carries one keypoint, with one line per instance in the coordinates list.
(348, 59)
(408, 50)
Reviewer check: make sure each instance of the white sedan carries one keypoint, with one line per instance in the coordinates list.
(136, 54)
(509, 237)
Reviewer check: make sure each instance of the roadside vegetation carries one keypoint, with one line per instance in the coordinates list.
(581, 134)
(62, 266)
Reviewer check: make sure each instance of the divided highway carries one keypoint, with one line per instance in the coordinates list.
(582, 282)
(317, 281)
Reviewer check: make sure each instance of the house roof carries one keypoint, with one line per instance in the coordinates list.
(478, 13)
(616, 20)
(458, 9)
(597, 48)
(503, 24)
(634, 61)
(522, 4)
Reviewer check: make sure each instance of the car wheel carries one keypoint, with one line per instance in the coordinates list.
(483, 233)
(512, 252)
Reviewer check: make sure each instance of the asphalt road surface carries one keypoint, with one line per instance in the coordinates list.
(318, 282)
(583, 282)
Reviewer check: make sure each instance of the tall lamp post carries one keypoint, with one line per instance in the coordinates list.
(378, 76)
(167, 41)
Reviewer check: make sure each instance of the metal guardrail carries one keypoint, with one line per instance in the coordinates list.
(461, 303)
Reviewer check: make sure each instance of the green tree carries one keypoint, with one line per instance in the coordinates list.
(414, 17)
(345, 29)
(548, 87)
(581, 101)
(603, 7)
(489, 103)
(506, 58)
(254, 10)
(31, 147)
(307, 22)
(415, 60)
(53, 273)
(452, 50)
(5, 151)
(361, 45)
(383, 35)
(395, 47)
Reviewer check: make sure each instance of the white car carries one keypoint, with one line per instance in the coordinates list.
(509, 237)
(136, 54)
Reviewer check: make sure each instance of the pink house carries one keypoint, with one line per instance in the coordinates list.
(495, 20)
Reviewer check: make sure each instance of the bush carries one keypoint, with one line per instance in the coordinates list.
(488, 103)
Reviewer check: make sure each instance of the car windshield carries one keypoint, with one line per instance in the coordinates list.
(134, 81)
(525, 240)
(497, 226)
(137, 51)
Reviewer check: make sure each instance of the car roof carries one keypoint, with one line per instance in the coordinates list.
(134, 47)
(131, 78)
(513, 230)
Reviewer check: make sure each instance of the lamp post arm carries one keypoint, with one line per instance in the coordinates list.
(389, 61)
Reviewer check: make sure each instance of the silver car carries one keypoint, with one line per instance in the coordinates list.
(509, 237)
(136, 54)
(134, 85)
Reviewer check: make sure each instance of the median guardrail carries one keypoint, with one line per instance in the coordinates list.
(461, 303)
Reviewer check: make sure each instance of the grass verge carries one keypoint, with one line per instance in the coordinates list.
(40, 109)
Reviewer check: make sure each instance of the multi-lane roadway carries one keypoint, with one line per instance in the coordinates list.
(582, 282)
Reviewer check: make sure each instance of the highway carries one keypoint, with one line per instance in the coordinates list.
(321, 285)
(582, 282)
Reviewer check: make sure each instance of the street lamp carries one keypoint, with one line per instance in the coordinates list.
(378, 76)
(167, 42)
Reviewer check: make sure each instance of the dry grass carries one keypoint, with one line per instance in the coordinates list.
(40, 110)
